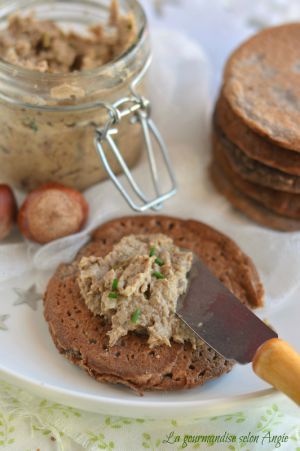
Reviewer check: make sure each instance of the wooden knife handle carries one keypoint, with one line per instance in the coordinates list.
(278, 363)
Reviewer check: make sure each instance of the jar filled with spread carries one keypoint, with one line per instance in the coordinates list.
(62, 66)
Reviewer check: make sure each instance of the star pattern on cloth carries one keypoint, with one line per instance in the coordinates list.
(3, 318)
(30, 296)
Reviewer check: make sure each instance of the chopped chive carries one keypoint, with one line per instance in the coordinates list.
(158, 275)
(114, 286)
(113, 295)
(152, 251)
(159, 261)
(135, 316)
(31, 124)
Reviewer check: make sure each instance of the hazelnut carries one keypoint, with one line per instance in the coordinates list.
(8, 210)
(52, 211)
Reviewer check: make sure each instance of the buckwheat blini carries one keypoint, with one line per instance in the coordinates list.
(256, 129)
(83, 337)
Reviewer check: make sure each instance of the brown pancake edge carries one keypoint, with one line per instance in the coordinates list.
(261, 80)
(282, 203)
(253, 170)
(255, 211)
(81, 337)
(255, 146)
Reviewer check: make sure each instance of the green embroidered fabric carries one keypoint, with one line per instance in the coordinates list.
(30, 423)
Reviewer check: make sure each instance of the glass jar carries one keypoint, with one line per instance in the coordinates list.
(48, 121)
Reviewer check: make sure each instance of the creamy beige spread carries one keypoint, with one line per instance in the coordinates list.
(42, 44)
(136, 287)
(38, 145)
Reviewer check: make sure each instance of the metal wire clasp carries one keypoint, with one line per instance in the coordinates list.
(139, 109)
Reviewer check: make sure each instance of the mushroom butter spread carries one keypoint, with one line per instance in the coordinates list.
(136, 287)
(50, 111)
(42, 45)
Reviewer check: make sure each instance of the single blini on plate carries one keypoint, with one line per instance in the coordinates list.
(112, 310)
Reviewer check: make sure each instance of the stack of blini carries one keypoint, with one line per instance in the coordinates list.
(256, 129)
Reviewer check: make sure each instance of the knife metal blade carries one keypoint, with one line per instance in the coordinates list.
(219, 318)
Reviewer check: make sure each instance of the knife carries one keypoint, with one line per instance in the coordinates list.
(218, 318)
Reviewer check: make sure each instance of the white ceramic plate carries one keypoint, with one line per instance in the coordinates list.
(29, 359)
